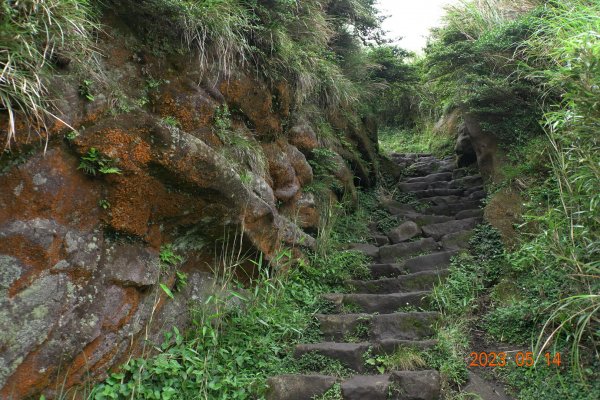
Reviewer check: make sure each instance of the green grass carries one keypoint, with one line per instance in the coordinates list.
(34, 34)
(414, 141)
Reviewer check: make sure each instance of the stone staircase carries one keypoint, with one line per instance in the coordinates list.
(406, 263)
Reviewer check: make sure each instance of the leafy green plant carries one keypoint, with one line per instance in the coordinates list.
(171, 121)
(86, 90)
(71, 135)
(168, 256)
(104, 204)
(335, 393)
(360, 333)
(93, 162)
(181, 280)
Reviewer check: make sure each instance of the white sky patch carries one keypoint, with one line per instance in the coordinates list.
(412, 20)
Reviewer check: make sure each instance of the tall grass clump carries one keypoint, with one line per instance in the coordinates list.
(33, 35)
(567, 47)
(294, 41)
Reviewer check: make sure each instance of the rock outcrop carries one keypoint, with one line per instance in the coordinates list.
(80, 271)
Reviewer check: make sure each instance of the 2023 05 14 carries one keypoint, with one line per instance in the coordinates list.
(520, 358)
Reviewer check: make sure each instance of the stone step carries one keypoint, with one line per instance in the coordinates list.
(421, 220)
(452, 209)
(366, 387)
(401, 326)
(442, 176)
(298, 387)
(404, 232)
(385, 270)
(399, 385)
(424, 167)
(479, 388)
(457, 240)
(436, 231)
(427, 193)
(430, 262)
(472, 189)
(465, 182)
(412, 187)
(419, 281)
(351, 355)
(443, 200)
(368, 250)
(478, 195)
(391, 253)
(474, 213)
(379, 303)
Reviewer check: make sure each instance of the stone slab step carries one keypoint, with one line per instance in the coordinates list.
(425, 194)
(419, 281)
(391, 253)
(399, 385)
(477, 386)
(477, 195)
(430, 262)
(368, 250)
(421, 220)
(452, 209)
(350, 355)
(416, 385)
(379, 303)
(467, 181)
(442, 176)
(366, 387)
(475, 213)
(436, 231)
(443, 200)
(385, 270)
(457, 240)
(401, 326)
(412, 187)
(298, 387)
(472, 189)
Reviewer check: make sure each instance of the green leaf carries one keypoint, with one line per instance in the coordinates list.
(167, 290)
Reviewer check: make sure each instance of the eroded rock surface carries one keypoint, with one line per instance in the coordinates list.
(79, 254)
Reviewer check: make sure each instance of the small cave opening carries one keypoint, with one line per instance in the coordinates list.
(465, 152)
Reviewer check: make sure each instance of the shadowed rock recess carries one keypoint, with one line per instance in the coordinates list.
(387, 313)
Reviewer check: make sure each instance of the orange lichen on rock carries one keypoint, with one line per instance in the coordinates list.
(255, 102)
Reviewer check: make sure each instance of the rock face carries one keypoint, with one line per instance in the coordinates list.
(484, 144)
(79, 253)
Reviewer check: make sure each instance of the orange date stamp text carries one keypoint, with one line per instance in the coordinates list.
(520, 359)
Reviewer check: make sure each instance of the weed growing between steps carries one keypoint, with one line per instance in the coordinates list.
(245, 334)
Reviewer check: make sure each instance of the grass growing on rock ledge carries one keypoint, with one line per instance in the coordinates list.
(393, 140)
(246, 334)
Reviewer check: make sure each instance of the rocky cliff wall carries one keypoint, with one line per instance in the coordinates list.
(79, 252)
